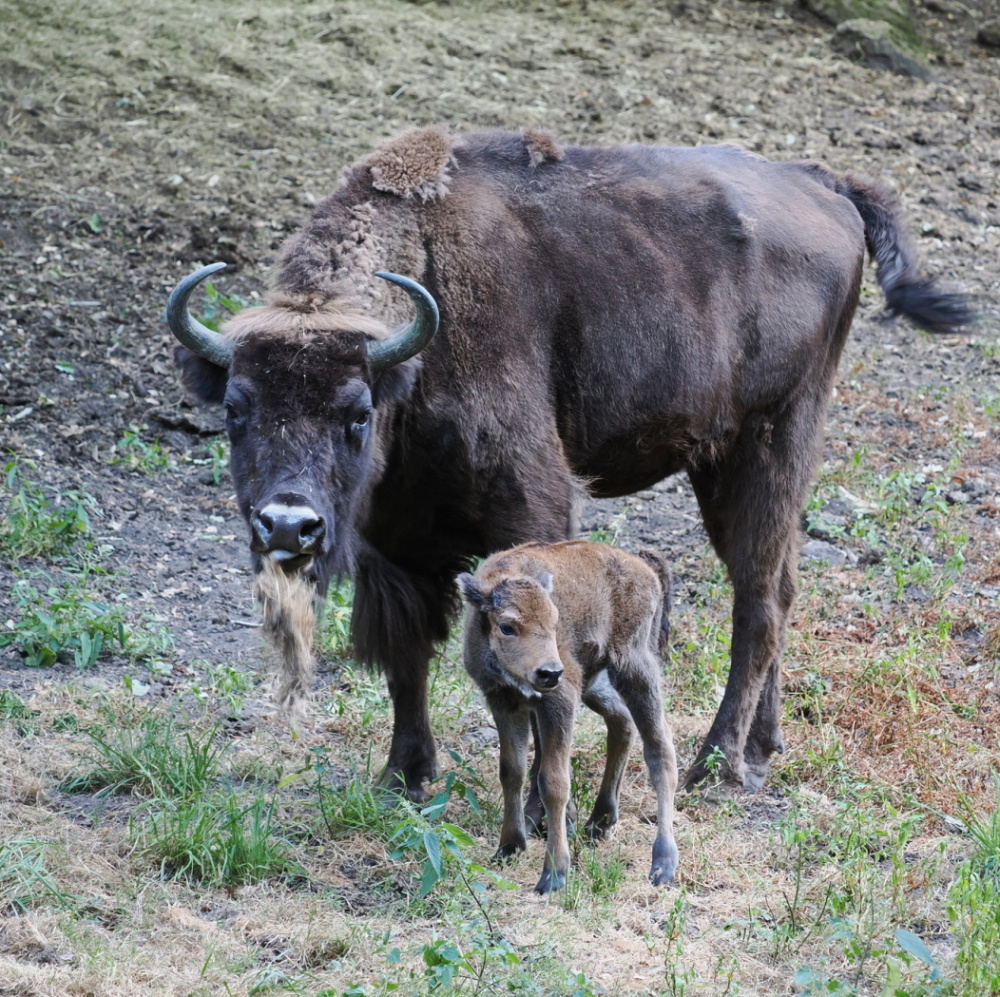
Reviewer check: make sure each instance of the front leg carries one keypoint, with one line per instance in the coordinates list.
(555, 727)
(512, 728)
(412, 758)
(397, 618)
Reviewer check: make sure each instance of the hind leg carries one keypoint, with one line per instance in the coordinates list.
(751, 501)
(639, 687)
(765, 737)
(603, 699)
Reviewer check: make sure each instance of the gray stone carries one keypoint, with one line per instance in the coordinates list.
(820, 550)
(875, 44)
(895, 13)
(989, 33)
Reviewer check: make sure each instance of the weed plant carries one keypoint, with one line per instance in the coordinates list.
(40, 521)
(135, 454)
(65, 623)
(974, 907)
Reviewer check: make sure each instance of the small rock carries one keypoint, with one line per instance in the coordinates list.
(957, 497)
(989, 33)
(876, 45)
(820, 550)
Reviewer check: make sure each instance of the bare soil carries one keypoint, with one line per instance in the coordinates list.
(140, 141)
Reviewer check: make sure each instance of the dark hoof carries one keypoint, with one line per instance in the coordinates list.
(394, 784)
(505, 853)
(534, 820)
(551, 881)
(599, 829)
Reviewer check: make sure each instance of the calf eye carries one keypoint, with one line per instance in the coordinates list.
(507, 629)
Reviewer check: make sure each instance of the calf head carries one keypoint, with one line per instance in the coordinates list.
(302, 382)
(519, 620)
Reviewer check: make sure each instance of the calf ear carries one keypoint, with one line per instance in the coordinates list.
(201, 377)
(545, 580)
(471, 590)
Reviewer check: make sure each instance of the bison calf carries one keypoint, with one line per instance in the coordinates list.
(547, 625)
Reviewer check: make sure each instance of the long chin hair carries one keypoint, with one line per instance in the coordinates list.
(288, 606)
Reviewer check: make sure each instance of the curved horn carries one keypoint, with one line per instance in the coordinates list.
(409, 340)
(195, 336)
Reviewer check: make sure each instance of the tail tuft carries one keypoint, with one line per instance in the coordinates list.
(907, 291)
(925, 306)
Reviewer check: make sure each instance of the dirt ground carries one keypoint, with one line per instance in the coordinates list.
(139, 142)
(138, 147)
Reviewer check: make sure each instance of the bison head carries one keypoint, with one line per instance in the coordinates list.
(302, 382)
(520, 623)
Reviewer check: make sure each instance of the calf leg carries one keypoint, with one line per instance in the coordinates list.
(603, 699)
(639, 687)
(512, 728)
(555, 717)
(534, 811)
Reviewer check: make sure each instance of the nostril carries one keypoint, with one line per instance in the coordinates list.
(548, 678)
(262, 526)
(311, 532)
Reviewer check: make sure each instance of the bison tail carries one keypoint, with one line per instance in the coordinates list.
(907, 291)
(659, 564)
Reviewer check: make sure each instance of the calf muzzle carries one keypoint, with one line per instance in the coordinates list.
(547, 677)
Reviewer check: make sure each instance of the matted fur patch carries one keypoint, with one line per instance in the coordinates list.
(415, 162)
(543, 147)
(288, 608)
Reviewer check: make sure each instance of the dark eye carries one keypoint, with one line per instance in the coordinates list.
(235, 418)
(359, 423)
(507, 629)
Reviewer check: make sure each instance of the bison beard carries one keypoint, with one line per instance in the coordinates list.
(608, 317)
(288, 608)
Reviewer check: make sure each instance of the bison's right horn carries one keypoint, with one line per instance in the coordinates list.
(409, 340)
(195, 336)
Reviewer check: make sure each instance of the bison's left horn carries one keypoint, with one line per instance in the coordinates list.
(196, 337)
(410, 339)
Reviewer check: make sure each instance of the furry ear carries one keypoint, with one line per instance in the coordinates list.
(471, 590)
(545, 580)
(202, 378)
(395, 383)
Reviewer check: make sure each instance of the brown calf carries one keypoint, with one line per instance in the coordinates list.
(547, 625)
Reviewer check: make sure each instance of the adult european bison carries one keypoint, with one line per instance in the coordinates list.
(608, 317)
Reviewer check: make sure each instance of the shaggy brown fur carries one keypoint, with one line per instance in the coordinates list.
(549, 626)
(289, 615)
(609, 316)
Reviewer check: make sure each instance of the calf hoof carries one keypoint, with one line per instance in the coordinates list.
(554, 879)
(754, 777)
(534, 819)
(664, 865)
